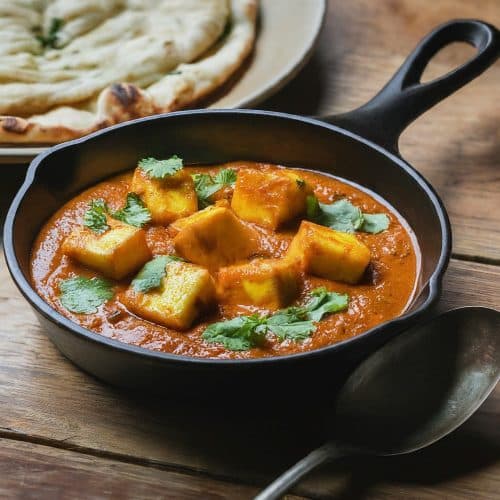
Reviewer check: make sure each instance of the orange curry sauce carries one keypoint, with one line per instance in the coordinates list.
(382, 294)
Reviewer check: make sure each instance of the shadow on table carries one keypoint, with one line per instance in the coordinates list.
(254, 443)
(304, 94)
(456, 456)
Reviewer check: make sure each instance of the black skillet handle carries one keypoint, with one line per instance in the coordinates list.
(404, 98)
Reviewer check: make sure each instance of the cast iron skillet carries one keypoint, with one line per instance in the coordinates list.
(360, 146)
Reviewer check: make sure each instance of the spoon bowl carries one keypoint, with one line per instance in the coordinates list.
(422, 385)
(412, 392)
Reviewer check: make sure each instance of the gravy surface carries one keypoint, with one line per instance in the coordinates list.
(383, 293)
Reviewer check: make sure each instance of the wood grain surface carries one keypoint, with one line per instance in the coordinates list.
(65, 435)
(35, 471)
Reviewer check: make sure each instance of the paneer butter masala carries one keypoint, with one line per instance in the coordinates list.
(241, 260)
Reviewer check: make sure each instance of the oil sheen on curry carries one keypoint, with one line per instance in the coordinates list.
(241, 260)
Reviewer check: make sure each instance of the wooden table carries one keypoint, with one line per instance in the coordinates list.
(65, 435)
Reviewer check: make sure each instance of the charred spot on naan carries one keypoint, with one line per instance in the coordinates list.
(14, 124)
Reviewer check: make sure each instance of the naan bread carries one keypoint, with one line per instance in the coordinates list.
(113, 60)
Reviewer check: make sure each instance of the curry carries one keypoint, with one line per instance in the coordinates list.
(234, 261)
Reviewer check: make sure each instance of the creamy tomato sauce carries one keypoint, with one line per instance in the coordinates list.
(383, 293)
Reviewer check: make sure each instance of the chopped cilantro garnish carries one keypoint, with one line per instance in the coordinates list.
(150, 276)
(159, 169)
(134, 212)
(343, 216)
(312, 207)
(50, 40)
(226, 177)
(295, 323)
(285, 327)
(205, 188)
(323, 302)
(84, 295)
(374, 223)
(301, 183)
(237, 334)
(206, 185)
(95, 218)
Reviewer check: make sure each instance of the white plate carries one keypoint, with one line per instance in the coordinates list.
(288, 31)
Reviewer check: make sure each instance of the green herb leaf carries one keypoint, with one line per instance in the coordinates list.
(205, 188)
(159, 169)
(84, 295)
(293, 323)
(312, 207)
(289, 326)
(374, 223)
(324, 302)
(150, 276)
(95, 217)
(237, 334)
(134, 212)
(226, 177)
(291, 314)
(343, 216)
(50, 40)
(205, 185)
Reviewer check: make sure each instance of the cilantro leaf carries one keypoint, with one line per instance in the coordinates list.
(324, 302)
(343, 216)
(50, 40)
(237, 334)
(290, 314)
(226, 177)
(312, 207)
(289, 326)
(295, 323)
(95, 217)
(205, 185)
(374, 223)
(150, 276)
(340, 215)
(84, 295)
(159, 169)
(134, 212)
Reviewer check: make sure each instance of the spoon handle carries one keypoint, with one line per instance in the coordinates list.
(283, 483)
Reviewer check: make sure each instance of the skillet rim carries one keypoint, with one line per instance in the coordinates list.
(434, 284)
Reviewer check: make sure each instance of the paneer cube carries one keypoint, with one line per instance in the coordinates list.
(185, 292)
(269, 198)
(214, 237)
(119, 251)
(268, 283)
(329, 254)
(167, 199)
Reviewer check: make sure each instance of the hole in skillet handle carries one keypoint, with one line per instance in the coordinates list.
(404, 98)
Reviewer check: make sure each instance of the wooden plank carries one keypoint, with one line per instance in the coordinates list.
(30, 470)
(456, 144)
(45, 399)
(43, 396)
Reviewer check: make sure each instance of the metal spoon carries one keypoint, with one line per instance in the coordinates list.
(413, 391)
